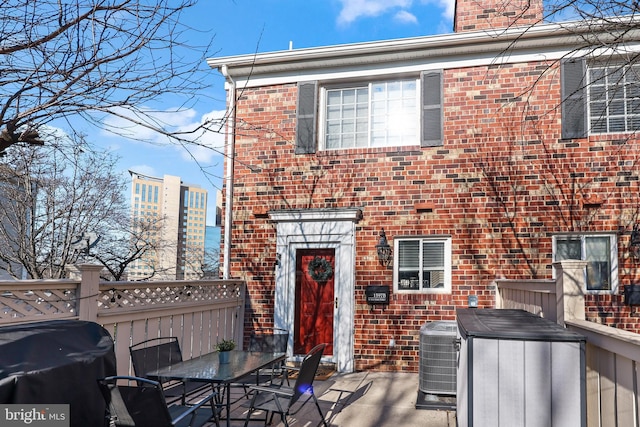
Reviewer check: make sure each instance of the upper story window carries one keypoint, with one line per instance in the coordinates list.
(422, 265)
(601, 254)
(376, 113)
(379, 114)
(599, 97)
(614, 98)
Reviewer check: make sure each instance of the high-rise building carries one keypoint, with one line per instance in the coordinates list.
(12, 213)
(173, 214)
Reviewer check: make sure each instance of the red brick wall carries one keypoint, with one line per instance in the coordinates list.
(501, 184)
(474, 15)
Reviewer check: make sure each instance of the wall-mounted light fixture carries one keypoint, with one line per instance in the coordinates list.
(383, 249)
(278, 261)
(634, 245)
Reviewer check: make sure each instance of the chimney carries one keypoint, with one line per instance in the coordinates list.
(475, 15)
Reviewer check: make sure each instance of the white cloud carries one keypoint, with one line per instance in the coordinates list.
(210, 142)
(354, 9)
(199, 137)
(405, 17)
(145, 170)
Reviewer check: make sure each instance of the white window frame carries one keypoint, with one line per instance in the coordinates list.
(446, 289)
(607, 86)
(322, 115)
(613, 258)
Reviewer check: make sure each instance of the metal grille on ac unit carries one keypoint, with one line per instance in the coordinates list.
(438, 357)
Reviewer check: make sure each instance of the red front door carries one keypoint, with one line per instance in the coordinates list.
(314, 300)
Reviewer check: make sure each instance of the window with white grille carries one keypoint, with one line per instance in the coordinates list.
(614, 98)
(379, 114)
(422, 265)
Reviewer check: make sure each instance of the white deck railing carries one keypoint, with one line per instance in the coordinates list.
(613, 355)
(535, 296)
(199, 313)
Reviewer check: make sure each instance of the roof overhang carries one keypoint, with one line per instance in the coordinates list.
(546, 41)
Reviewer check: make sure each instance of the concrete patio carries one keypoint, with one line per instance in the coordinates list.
(365, 399)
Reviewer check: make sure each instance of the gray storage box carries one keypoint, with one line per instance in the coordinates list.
(518, 369)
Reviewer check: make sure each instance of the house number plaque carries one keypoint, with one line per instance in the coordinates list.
(377, 295)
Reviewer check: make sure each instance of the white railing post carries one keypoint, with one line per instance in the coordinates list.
(239, 329)
(499, 299)
(89, 291)
(570, 289)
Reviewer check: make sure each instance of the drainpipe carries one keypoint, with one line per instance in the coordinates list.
(231, 149)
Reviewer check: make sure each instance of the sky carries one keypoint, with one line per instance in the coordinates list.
(238, 27)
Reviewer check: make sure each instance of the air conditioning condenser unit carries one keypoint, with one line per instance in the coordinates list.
(438, 358)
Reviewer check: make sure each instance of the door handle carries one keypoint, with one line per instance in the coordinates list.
(336, 302)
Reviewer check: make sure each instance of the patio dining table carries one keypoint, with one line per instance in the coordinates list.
(207, 368)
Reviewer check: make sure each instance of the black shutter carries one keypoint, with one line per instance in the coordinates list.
(306, 118)
(431, 109)
(574, 100)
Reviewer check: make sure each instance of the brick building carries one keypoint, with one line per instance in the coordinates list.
(483, 154)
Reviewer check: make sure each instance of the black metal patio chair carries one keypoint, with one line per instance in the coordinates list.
(139, 402)
(286, 400)
(270, 340)
(266, 340)
(156, 353)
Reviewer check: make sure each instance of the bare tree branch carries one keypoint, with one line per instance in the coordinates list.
(89, 59)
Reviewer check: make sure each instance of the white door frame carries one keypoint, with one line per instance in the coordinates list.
(318, 229)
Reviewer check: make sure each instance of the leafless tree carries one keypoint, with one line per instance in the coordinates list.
(51, 196)
(600, 76)
(586, 10)
(92, 59)
(62, 204)
(209, 268)
(125, 240)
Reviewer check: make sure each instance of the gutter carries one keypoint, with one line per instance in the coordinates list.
(231, 149)
(537, 38)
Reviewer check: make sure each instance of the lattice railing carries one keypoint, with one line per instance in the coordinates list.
(199, 312)
(34, 300)
(147, 294)
(27, 301)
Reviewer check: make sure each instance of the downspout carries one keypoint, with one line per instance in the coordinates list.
(231, 149)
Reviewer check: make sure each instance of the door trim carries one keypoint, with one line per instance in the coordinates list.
(318, 229)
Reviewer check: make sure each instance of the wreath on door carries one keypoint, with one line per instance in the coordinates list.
(320, 269)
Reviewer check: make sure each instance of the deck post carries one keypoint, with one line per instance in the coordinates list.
(570, 288)
(89, 291)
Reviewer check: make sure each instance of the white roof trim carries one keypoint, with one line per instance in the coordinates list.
(377, 47)
(539, 42)
(308, 215)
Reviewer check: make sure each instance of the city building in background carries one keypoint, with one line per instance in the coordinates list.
(211, 267)
(9, 220)
(173, 214)
(212, 236)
